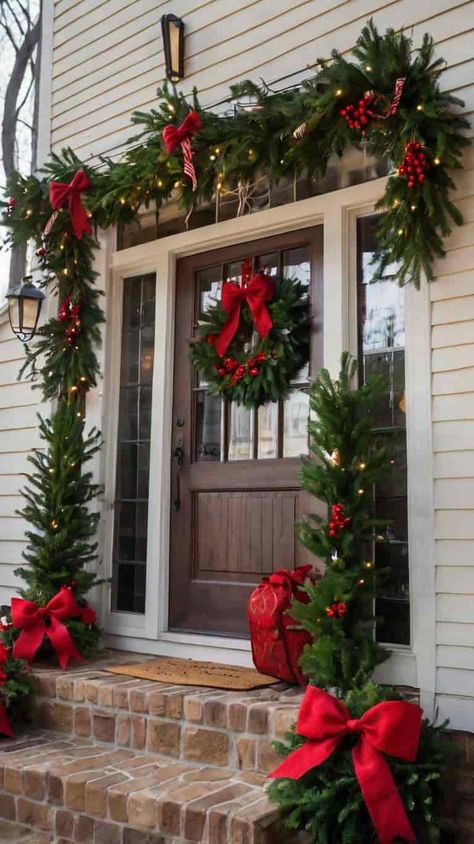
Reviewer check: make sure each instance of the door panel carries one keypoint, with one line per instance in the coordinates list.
(237, 487)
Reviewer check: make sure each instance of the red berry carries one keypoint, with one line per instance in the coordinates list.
(253, 370)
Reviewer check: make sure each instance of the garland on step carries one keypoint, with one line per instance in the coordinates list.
(386, 788)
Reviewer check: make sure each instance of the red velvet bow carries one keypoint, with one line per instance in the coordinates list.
(175, 136)
(291, 579)
(391, 727)
(258, 291)
(61, 194)
(31, 620)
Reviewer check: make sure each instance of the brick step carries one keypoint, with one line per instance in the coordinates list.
(202, 725)
(74, 790)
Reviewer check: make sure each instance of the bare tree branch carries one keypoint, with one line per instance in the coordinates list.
(14, 16)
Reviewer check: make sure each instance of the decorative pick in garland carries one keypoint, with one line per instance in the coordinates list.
(62, 195)
(414, 165)
(175, 136)
(339, 520)
(70, 312)
(336, 610)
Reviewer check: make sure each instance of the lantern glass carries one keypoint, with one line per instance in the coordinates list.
(24, 308)
(173, 42)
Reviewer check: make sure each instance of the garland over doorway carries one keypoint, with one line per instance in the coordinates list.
(386, 97)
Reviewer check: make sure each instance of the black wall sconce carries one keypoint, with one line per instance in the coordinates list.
(24, 308)
(173, 43)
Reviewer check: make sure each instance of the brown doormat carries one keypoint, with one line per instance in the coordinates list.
(190, 672)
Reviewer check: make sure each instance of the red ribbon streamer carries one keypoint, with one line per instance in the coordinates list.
(393, 107)
(31, 620)
(62, 195)
(391, 727)
(175, 136)
(258, 291)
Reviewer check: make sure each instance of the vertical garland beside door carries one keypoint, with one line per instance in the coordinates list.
(361, 765)
(60, 509)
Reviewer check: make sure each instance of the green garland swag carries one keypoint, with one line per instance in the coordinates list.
(238, 148)
(250, 373)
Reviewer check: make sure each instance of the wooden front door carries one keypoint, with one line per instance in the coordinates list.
(236, 497)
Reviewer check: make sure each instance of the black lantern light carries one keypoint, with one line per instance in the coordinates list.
(173, 42)
(24, 308)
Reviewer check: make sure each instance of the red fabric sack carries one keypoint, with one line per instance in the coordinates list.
(276, 645)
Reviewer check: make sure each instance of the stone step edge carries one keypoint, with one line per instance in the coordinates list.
(211, 726)
(83, 792)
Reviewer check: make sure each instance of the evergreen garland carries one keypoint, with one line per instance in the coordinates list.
(238, 148)
(327, 802)
(347, 466)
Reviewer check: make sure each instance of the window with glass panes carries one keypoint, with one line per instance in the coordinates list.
(226, 432)
(381, 337)
(133, 446)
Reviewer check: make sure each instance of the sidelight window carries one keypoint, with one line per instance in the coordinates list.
(133, 446)
(381, 337)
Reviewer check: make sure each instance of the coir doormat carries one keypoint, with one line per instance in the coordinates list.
(190, 672)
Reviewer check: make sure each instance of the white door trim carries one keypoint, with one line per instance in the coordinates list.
(337, 212)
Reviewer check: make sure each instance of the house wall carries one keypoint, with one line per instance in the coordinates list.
(107, 61)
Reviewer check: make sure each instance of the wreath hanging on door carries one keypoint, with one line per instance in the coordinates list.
(254, 340)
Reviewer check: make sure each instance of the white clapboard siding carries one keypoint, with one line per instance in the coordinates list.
(226, 40)
(19, 406)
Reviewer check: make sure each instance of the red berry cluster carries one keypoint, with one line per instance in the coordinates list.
(358, 117)
(414, 165)
(339, 520)
(70, 313)
(336, 610)
(237, 370)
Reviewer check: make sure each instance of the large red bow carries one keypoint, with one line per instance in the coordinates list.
(175, 136)
(258, 291)
(391, 727)
(37, 622)
(61, 194)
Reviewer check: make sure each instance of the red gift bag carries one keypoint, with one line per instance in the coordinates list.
(276, 644)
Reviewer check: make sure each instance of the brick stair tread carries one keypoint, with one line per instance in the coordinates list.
(78, 790)
(206, 725)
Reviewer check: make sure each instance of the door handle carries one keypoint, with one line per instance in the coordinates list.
(178, 456)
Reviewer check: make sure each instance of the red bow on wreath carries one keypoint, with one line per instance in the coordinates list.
(391, 727)
(37, 622)
(175, 136)
(62, 195)
(5, 727)
(258, 291)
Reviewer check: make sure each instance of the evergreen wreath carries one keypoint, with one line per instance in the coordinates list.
(254, 371)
